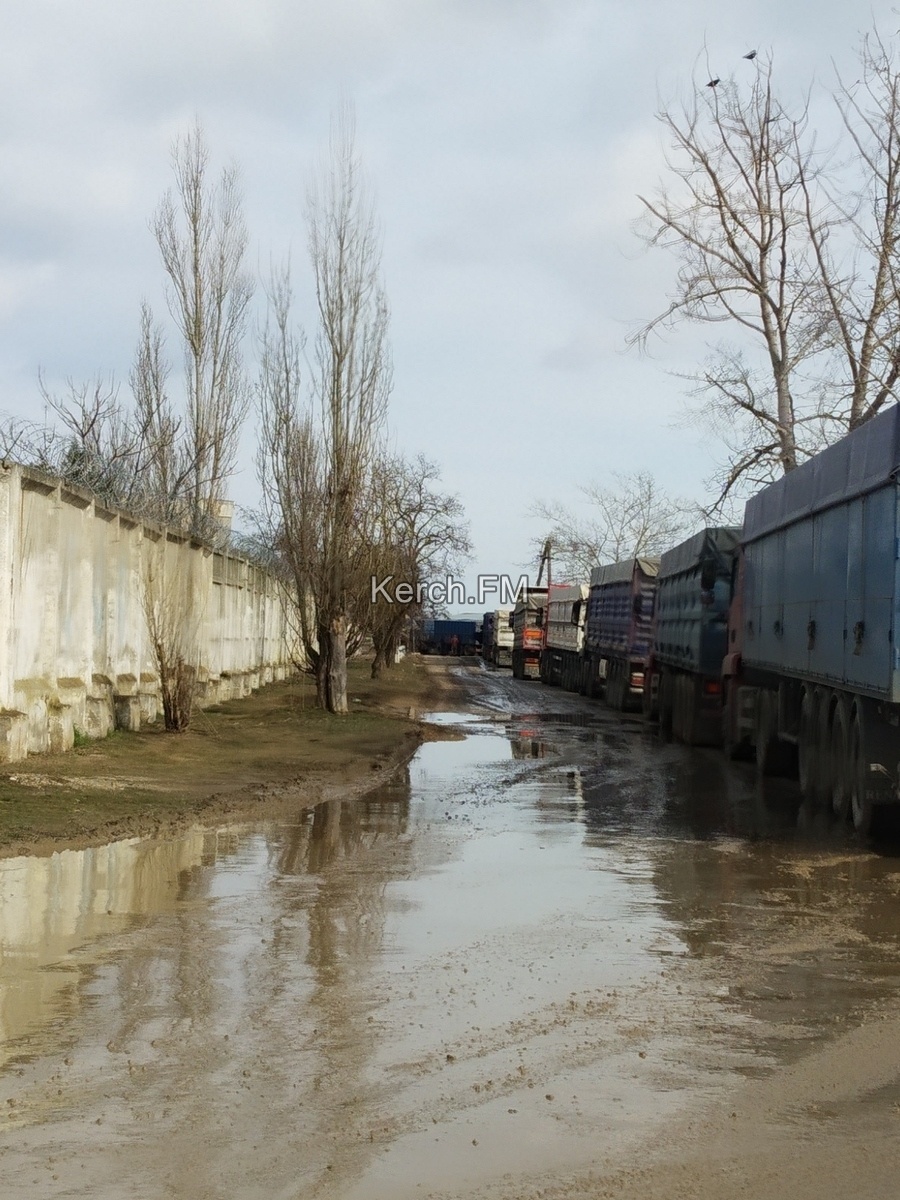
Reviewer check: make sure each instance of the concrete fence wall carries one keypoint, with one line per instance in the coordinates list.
(78, 583)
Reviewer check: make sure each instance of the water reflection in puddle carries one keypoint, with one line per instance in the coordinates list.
(351, 993)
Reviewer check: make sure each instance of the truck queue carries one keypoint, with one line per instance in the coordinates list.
(778, 640)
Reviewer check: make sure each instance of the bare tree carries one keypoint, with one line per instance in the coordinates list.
(289, 464)
(91, 444)
(735, 217)
(173, 623)
(420, 536)
(861, 278)
(142, 455)
(634, 518)
(795, 251)
(320, 447)
(202, 238)
(166, 468)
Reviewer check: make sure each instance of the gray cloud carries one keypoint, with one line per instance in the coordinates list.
(506, 141)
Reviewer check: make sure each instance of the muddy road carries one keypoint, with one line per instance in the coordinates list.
(551, 958)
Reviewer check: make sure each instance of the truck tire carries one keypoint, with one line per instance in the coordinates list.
(840, 760)
(808, 764)
(678, 708)
(649, 711)
(590, 672)
(861, 807)
(688, 711)
(666, 700)
(772, 755)
(826, 701)
(616, 698)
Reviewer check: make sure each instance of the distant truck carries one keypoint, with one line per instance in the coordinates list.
(449, 637)
(617, 632)
(497, 638)
(528, 633)
(683, 680)
(562, 659)
(487, 636)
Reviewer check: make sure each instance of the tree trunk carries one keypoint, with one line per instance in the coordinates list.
(337, 666)
(787, 433)
(323, 661)
(390, 652)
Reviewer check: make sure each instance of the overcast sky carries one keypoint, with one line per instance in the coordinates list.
(506, 141)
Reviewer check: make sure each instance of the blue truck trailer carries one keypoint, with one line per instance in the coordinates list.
(812, 672)
(440, 636)
(683, 680)
(617, 631)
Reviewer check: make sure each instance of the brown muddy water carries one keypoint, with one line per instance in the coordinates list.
(545, 956)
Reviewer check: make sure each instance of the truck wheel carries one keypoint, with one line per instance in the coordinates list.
(648, 711)
(621, 687)
(807, 748)
(689, 711)
(840, 761)
(771, 754)
(861, 807)
(825, 701)
(665, 706)
(678, 708)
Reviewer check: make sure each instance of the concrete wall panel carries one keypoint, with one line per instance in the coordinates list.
(76, 583)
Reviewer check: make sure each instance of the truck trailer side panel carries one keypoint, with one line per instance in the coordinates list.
(690, 629)
(618, 630)
(813, 664)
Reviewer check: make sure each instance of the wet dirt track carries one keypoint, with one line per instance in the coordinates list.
(553, 958)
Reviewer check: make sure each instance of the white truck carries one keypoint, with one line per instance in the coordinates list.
(502, 639)
(561, 662)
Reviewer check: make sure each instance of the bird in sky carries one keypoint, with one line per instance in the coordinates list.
(751, 55)
(713, 82)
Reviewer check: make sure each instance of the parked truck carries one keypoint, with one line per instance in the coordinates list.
(444, 636)
(617, 632)
(528, 633)
(497, 638)
(561, 661)
(813, 665)
(683, 680)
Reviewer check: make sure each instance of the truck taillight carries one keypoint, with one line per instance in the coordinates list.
(712, 687)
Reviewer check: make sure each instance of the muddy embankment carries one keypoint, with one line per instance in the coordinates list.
(241, 759)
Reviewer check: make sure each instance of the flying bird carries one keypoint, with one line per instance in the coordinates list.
(713, 82)
(751, 55)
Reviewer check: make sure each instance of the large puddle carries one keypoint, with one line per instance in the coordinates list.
(525, 950)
